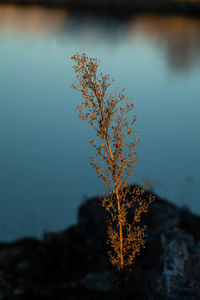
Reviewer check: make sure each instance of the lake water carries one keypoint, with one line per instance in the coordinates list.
(44, 151)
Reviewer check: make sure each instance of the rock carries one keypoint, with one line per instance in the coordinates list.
(12, 253)
(6, 289)
(73, 264)
(99, 281)
(178, 275)
(190, 222)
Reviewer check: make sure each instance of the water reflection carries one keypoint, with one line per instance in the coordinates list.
(31, 20)
(178, 36)
(44, 167)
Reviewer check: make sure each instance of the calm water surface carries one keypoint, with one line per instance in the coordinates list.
(44, 154)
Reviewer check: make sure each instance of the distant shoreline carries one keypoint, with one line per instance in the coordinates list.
(187, 7)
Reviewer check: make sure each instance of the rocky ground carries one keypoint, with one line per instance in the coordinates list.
(73, 264)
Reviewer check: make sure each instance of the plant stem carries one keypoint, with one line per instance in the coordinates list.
(119, 209)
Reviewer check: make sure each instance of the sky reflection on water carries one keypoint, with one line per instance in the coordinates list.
(44, 159)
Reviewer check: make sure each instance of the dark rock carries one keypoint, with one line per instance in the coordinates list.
(73, 264)
(5, 288)
(178, 275)
(189, 222)
(12, 253)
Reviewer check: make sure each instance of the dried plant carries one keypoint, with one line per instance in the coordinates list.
(110, 113)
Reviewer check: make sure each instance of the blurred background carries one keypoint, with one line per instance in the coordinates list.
(151, 49)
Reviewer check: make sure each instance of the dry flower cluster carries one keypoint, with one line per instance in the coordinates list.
(110, 113)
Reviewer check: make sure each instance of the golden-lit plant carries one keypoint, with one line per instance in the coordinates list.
(110, 113)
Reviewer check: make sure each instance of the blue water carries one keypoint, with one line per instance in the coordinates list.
(44, 154)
